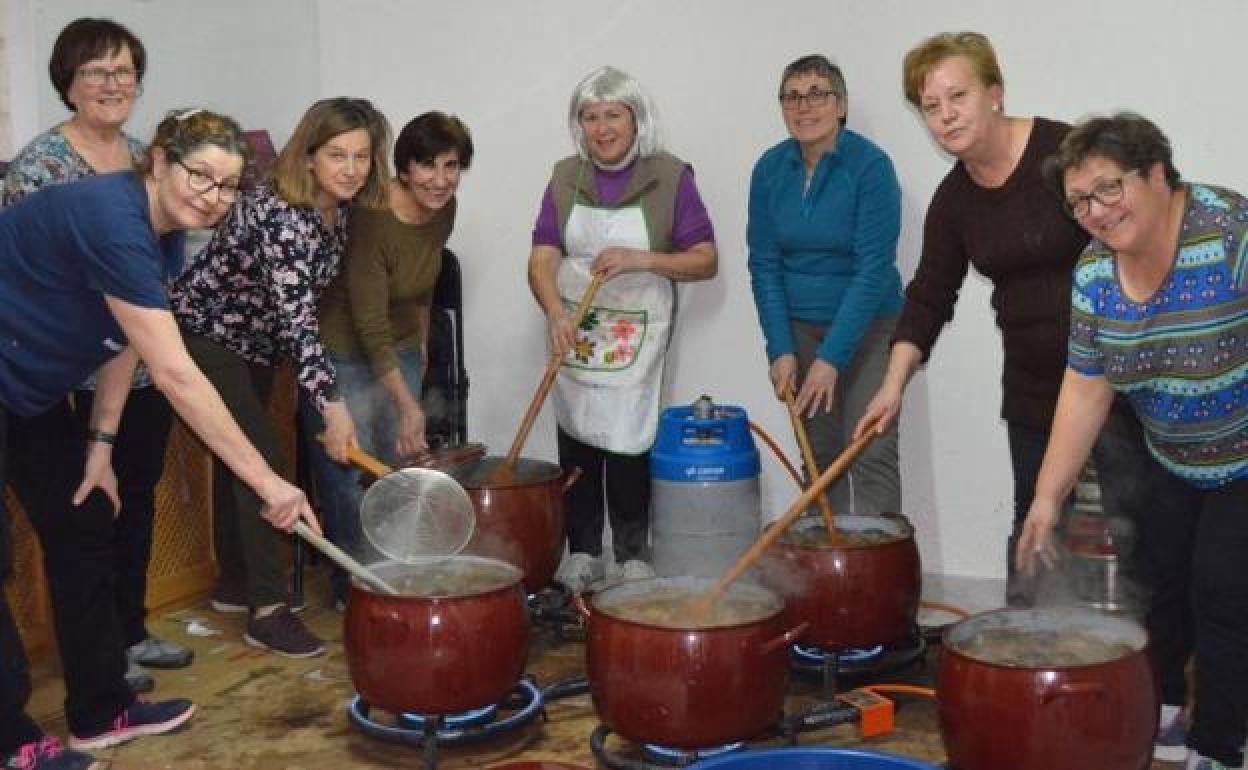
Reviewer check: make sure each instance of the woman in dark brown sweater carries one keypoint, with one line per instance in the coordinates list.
(374, 317)
(994, 212)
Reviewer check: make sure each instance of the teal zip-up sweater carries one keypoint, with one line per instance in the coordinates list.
(827, 253)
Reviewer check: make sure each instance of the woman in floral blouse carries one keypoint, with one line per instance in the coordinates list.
(247, 302)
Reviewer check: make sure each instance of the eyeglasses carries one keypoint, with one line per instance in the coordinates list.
(1107, 192)
(98, 76)
(227, 192)
(814, 98)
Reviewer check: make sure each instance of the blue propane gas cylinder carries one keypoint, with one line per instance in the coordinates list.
(705, 507)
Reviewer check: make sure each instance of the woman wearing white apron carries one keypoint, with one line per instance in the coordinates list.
(623, 208)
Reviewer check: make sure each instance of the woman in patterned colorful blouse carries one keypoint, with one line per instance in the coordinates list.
(97, 68)
(1159, 313)
(249, 301)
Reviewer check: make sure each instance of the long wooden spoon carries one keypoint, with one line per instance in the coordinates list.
(543, 388)
(343, 560)
(808, 455)
(703, 607)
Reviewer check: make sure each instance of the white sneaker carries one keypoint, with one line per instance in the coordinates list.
(579, 571)
(636, 569)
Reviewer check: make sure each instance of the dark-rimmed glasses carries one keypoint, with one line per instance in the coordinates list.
(1106, 192)
(198, 181)
(814, 98)
(98, 76)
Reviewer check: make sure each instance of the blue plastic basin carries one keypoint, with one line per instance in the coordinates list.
(812, 759)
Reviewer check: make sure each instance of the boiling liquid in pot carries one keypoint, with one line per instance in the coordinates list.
(462, 576)
(1031, 648)
(670, 607)
(818, 535)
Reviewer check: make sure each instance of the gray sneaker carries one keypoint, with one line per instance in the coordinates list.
(1170, 745)
(138, 679)
(159, 653)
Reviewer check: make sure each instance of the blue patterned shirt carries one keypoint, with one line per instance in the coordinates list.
(1181, 357)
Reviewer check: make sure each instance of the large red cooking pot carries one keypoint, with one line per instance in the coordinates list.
(860, 592)
(456, 638)
(1044, 689)
(656, 676)
(519, 514)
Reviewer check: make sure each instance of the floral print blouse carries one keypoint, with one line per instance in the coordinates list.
(255, 288)
(51, 159)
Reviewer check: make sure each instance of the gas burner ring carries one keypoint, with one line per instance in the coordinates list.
(471, 718)
(681, 757)
(528, 704)
(850, 656)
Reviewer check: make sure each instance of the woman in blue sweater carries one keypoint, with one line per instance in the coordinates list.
(825, 213)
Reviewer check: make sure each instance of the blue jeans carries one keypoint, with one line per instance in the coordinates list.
(338, 488)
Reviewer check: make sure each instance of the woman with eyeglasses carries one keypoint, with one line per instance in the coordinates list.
(84, 272)
(825, 213)
(248, 302)
(375, 319)
(1159, 314)
(993, 212)
(97, 68)
(623, 209)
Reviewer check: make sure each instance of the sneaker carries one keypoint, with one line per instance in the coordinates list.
(138, 679)
(141, 718)
(579, 571)
(230, 598)
(636, 569)
(1201, 762)
(283, 633)
(48, 754)
(159, 653)
(1170, 745)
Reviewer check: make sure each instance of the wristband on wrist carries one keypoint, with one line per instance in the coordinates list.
(101, 437)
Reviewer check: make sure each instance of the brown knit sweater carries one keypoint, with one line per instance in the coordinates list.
(1018, 236)
(372, 308)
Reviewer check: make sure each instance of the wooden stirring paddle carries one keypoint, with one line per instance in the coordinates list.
(507, 468)
(703, 607)
(808, 456)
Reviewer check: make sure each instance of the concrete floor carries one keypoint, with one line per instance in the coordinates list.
(258, 710)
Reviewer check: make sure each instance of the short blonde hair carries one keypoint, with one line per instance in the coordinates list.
(924, 57)
(291, 177)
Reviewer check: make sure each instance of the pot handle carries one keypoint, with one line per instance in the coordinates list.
(570, 478)
(785, 639)
(1071, 689)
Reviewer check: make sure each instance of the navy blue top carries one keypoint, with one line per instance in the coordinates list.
(826, 253)
(62, 250)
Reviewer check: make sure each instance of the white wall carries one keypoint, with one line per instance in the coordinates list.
(507, 68)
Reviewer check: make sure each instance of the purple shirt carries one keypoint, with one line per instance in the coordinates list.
(690, 223)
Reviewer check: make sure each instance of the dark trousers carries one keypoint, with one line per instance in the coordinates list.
(45, 456)
(16, 728)
(249, 550)
(626, 479)
(1194, 548)
(1127, 472)
(138, 461)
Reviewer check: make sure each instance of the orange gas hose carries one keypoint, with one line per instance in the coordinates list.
(952, 610)
(880, 689)
(778, 452)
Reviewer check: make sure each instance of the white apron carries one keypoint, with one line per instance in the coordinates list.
(607, 391)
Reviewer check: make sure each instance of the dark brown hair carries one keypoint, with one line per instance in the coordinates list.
(1130, 140)
(429, 135)
(85, 39)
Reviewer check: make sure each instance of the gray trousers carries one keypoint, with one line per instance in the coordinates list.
(873, 484)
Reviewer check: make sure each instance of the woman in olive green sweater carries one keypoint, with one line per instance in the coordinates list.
(375, 317)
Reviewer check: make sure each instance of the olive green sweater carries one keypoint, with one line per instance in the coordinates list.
(372, 309)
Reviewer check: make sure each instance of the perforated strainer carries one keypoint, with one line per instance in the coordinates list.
(417, 515)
